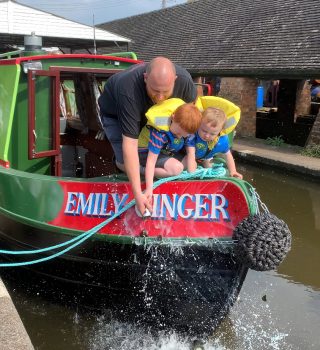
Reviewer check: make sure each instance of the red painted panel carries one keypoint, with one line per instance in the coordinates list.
(195, 209)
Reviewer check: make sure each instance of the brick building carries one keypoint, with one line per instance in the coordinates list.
(243, 42)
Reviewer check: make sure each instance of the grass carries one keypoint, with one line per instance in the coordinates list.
(311, 151)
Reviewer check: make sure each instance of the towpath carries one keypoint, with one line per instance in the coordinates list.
(13, 335)
(285, 157)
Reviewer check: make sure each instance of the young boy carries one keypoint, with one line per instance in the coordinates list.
(159, 147)
(208, 142)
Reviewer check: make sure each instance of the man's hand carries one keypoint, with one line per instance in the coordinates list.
(131, 164)
(143, 203)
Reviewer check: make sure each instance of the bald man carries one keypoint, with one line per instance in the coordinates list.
(126, 97)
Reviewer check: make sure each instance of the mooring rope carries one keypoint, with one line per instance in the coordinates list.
(217, 170)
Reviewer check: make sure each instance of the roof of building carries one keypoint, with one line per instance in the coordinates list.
(227, 37)
(18, 20)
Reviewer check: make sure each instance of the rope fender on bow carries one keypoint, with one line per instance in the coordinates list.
(263, 240)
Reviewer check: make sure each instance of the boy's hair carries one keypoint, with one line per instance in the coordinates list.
(214, 116)
(188, 117)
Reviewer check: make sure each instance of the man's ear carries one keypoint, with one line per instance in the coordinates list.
(145, 77)
(176, 77)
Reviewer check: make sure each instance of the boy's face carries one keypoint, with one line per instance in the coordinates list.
(177, 131)
(208, 132)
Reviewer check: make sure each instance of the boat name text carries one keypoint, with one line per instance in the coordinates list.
(198, 206)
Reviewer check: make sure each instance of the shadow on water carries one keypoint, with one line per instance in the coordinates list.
(275, 310)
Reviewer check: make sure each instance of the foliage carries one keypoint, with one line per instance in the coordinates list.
(311, 151)
(275, 141)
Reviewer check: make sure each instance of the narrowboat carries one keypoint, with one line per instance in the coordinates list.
(62, 198)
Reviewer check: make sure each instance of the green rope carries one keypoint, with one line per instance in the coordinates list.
(203, 173)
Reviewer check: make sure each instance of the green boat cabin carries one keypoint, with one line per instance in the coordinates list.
(49, 116)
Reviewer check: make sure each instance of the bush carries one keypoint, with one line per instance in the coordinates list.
(275, 141)
(311, 151)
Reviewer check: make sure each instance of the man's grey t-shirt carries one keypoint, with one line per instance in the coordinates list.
(125, 97)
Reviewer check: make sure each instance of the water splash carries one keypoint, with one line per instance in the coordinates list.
(251, 325)
(242, 330)
(123, 336)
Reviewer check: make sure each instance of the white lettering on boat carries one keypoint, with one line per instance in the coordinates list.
(199, 206)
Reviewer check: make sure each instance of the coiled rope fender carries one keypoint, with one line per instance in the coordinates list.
(263, 241)
(217, 170)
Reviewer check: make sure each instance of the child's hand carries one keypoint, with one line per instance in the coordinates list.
(192, 166)
(148, 193)
(236, 174)
(206, 163)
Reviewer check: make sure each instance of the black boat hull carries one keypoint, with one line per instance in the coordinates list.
(188, 288)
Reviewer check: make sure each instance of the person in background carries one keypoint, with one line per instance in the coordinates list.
(208, 141)
(159, 147)
(271, 95)
(315, 90)
(126, 97)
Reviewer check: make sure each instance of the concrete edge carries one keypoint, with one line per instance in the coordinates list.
(13, 335)
(293, 168)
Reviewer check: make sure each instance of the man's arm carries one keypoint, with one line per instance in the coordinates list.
(150, 166)
(132, 167)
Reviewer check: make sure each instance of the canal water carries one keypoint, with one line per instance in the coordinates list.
(275, 310)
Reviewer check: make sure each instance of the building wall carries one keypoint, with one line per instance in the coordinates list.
(314, 137)
(303, 98)
(242, 92)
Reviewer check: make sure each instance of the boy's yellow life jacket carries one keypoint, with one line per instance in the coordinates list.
(231, 110)
(159, 115)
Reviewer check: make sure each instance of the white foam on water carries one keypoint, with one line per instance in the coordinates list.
(122, 336)
(251, 325)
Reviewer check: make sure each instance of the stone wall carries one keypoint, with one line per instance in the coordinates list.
(314, 137)
(242, 92)
(13, 335)
(303, 98)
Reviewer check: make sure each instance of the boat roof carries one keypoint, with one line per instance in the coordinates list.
(18, 60)
(18, 20)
